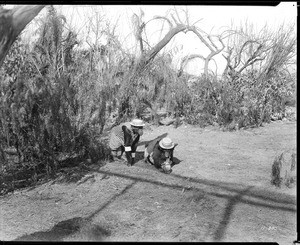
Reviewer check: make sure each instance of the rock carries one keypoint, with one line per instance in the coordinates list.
(284, 169)
(215, 124)
(167, 121)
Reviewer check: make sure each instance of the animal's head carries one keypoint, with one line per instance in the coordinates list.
(137, 126)
(167, 146)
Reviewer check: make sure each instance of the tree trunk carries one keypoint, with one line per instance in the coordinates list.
(12, 22)
(142, 63)
(153, 52)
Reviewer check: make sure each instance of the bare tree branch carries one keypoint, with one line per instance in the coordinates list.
(163, 18)
(249, 62)
(138, 27)
(178, 15)
(165, 40)
(197, 22)
(241, 50)
(269, 51)
(177, 23)
(228, 59)
(194, 29)
(214, 50)
(187, 15)
(221, 41)
(185, 60)
(176, 26)
(211, 41)
(216, 72)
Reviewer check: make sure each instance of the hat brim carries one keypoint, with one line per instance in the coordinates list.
(138, 126)
(167, 148)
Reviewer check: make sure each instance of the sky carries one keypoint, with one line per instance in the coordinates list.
(214, 19)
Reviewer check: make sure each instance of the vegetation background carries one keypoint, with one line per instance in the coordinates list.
(58, 101)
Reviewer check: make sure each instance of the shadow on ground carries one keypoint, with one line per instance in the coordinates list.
(66, 228)
(234, 195)
(220, 231)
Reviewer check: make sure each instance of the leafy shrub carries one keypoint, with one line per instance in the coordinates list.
(201, 109)
(242, 102)
(148, 89)
(43, 114)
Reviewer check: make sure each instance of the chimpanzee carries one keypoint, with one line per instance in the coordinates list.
(160, 154)
(125, 138)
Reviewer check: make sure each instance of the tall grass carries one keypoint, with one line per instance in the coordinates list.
(43, 113)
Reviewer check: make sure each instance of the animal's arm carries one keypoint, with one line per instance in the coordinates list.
(134, 146)
(127, 144)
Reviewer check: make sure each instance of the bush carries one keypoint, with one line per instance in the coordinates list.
(200, 109)
(243, 102)
(153, 88)
(44, 113)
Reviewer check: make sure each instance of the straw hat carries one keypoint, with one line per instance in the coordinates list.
(137, 123)
(166, 143)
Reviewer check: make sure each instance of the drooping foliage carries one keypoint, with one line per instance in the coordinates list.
(41, 112)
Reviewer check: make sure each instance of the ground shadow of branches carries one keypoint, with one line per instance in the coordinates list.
(57, 233)
(233, 196)
(70, 226)
(220, 231)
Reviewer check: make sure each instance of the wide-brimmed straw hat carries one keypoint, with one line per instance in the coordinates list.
(137, 123)
(166, 143)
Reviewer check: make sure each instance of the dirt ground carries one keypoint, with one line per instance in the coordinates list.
(219, 190)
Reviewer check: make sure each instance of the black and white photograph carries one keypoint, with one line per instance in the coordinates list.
(148, 123)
